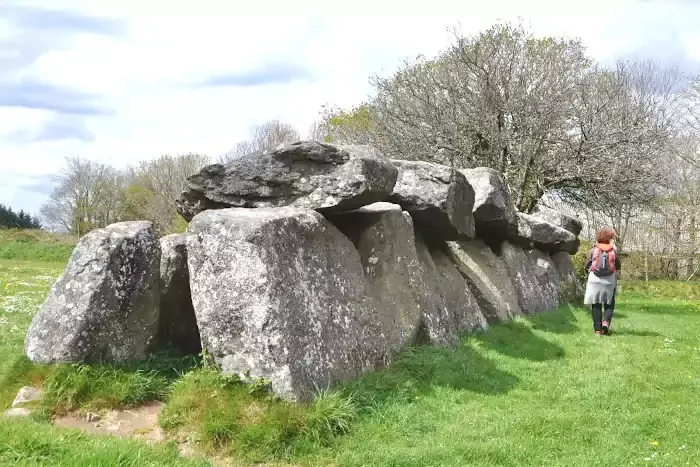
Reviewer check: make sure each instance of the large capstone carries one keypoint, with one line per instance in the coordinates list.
(533, 276)
(534, 232)
(105, 304)
(178, 325)
(451, 309)
(281, 294)
(487, 276)
(494, 214)
(565, 221)
(384, 238)
(306, 174)
(570, 286)
(439, 199)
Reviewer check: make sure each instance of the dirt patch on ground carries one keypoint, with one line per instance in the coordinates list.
(139, 422)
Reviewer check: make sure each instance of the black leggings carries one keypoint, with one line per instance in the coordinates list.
(597, 311)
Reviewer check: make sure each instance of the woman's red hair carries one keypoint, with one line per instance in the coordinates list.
(605, 235)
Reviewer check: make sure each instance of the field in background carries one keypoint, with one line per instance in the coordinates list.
(35, 245)
(535, 391)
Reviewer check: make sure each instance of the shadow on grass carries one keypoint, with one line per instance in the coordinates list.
(420, 370)
(632, 332)
(516, 339)
(561, 321)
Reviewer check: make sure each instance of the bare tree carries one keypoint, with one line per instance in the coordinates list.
(537, 109)
(266, 136)
(318, 132)
(87, 196)
(156, 184)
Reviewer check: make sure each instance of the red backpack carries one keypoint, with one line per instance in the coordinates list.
(603, 260)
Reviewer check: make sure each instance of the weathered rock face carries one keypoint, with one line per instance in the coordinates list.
(533, 278)
(494, 214)
(281, 293)
(178, 325)
(26, 395)
(570, 223)
(305, 174)
(384, 238)
(105, 304)
(451, 309)
(488, 279)
(570, 287)
(439, 199)
(537, 233)
(546, 274)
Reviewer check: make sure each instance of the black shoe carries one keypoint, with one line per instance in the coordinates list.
(606, 328)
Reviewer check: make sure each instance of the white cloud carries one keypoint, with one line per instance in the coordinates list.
(145, 76)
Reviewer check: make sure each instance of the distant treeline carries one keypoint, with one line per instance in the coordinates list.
(10, 219)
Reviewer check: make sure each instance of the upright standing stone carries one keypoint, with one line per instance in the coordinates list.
(451, 307)
(105, 304)
(570, 287)
(488, 279)
(384, 238)
(280, 294)
(530, 274)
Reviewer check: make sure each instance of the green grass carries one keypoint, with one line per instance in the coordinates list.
(224, 416)
(35, 245)
(537, 391)
(28, 444)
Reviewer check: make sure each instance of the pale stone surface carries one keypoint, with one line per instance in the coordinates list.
(488, 278)
(105, 304)
(533, 276)
(384, 238)
(305, 174)
(281, 294)
(17, 412)
(534, 232)
(570, 223)
(494, 214)
(451, 307)
(27, 394)
(570, 287)
(439, 199)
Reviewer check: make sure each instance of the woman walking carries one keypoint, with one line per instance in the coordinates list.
(602, 266)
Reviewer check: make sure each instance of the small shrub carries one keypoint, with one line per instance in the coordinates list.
(580, 259)
(330, 415)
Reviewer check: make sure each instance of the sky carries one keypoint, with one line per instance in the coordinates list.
(121, 82)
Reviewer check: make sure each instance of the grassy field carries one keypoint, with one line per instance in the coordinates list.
(532, 392)
(35, 245)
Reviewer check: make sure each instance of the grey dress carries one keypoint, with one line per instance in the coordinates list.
(600, 290)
